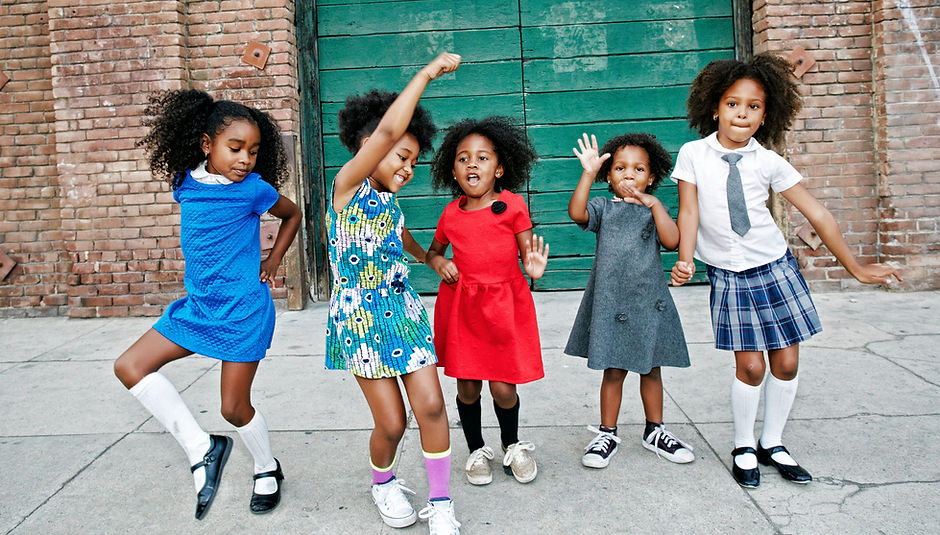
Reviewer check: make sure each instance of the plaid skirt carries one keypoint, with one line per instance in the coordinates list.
(762, 308)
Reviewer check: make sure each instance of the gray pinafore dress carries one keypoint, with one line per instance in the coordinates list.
(627, 319)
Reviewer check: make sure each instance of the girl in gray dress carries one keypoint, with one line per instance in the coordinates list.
(627, 320)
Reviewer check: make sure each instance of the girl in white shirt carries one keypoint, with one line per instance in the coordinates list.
(759, 300)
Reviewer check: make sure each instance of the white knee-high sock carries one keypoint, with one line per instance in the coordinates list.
(744, 401)
(255, 436)
(778, 400)
(158, 395)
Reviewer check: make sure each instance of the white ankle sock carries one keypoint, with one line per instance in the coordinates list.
(744, 401)
(778, 400)
(255, 436)
(158, 395)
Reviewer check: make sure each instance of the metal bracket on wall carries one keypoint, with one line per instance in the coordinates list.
(256, 54)
(269, 234)
(801, 60)
(809, 236)
(3, 79)
(6, 265)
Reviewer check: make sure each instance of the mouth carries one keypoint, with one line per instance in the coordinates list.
(240, 172)
(401, 179)
(473, 179)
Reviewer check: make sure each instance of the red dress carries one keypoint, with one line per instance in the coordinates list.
(484, 324)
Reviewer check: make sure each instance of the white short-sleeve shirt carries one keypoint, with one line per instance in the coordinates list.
(700, 163)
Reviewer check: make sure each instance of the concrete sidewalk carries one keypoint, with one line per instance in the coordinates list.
(79, 455)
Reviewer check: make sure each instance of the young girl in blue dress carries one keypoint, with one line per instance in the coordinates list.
(224, 162)
(377, 327)
(485, 326)
(759, 300)
(627, 320)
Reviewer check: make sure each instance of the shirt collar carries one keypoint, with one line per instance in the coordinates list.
(712, 141)
(202, 175)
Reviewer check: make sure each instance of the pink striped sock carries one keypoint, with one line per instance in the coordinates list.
(382, 475)
(438, 465)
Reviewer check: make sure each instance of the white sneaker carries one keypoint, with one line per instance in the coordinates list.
(519, 462)
(440, 517)
(394, 507)
(667, 445)
(478, 466)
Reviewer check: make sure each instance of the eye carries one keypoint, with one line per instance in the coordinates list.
(755, 106)
(483, 158)
(641, 169)
(732, 104)
(462, 159)
(619, 168)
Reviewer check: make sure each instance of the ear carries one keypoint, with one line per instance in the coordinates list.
(499, 171)
(363, 141)
(206, 143)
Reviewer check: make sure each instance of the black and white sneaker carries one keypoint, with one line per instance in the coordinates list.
(667, 445)
(598, 452)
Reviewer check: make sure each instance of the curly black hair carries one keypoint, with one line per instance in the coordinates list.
(770, 71)
(362, 113)
(177, 121)
(513, 150)
(660, 160)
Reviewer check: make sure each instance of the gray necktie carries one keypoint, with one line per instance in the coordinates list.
(736, 205)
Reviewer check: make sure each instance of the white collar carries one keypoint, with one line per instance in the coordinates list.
(712, 141)
(200, 174)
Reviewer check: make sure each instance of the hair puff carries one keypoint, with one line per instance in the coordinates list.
(362, 113)
(660, 160)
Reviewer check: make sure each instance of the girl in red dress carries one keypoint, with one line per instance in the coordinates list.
(484, 319)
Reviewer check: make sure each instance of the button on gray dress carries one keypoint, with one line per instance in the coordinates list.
(627, 318)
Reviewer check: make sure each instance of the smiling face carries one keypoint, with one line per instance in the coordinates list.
(398, 166)
(233, 152)
(740, 113)
(630, 166)
(476, 166)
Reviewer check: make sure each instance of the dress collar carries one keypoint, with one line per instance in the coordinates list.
(200, 174)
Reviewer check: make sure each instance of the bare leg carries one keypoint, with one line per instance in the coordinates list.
(145, 356)
(388, 415)
(611, 396)
(651, 392)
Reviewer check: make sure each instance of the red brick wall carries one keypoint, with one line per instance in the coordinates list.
(907, 135)
(867, 138)
(29, 201)
(94, 233)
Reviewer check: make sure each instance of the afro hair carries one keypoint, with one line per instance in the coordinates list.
(362, 113)
(178, 120)
(513, 149)
(770, 71)
(660, 161)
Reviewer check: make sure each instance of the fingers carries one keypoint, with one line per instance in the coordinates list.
(444, 63)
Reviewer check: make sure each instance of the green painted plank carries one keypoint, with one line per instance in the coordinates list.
(398, 49)
(566, 239)
(563, 279)
(554, 141)
(470, 79)
(446, 111)
(423, 279)
(545, 12)
(613, 72)
(342, 17)
(556, 42)
(422, 212)
(607, 105)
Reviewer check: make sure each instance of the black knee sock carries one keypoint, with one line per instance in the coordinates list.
(470, 423)
(508, 423)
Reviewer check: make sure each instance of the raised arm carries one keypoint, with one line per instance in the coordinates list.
(828, 230)
(590, 163)
(389, 130)
(684, 268)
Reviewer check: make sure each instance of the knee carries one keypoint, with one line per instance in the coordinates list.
(614, 375)
(391, 431)
(785, 372)
(504, 394)
(469, 391)
(753, 372)
(127, 372)
(237, 413)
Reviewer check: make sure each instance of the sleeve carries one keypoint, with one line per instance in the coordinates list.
(783, 176)
(684, 169)
(439, 233)
(595, 211)
(521, 221)
(265, 196)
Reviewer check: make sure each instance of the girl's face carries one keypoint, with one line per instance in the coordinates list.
(740, 113)
(233, 152)
(398, 166)
(630, 166)
(476, 166)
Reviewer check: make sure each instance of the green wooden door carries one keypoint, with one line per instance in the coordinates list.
(560, 68)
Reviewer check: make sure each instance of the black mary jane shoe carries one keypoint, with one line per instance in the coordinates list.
(214, 460)
(265, 503)
(749, 478)
(790, 472)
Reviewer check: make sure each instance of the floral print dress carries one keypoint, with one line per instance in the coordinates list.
(377, 326)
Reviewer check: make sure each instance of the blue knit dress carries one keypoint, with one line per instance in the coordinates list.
(227, 313)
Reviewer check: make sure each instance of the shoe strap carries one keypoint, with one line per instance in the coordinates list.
(773, 450)
(276, 473)
(742, 450)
